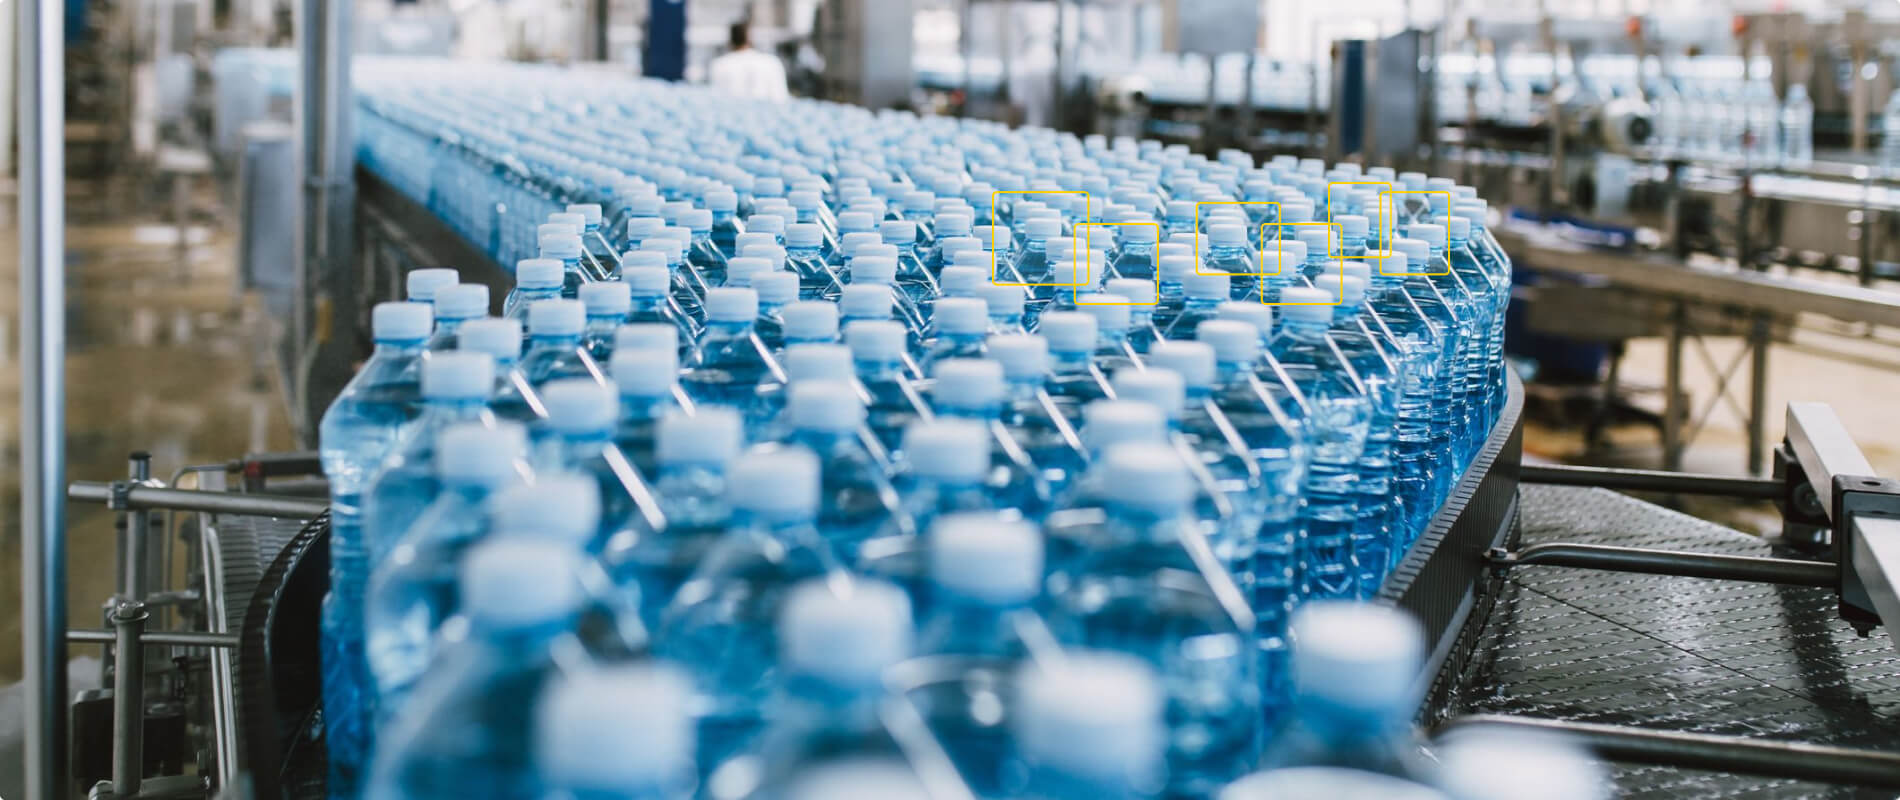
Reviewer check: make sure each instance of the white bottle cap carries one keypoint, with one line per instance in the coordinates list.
(948, 450)
(953, 226)
(846, 634)
(1318, 241)
(1389, 263)
(1207, 287)
(1177, 268)
(1258, 315)
(615, 726)
(742, 269)
(993, 237)
(422, 284)
(400, 322)
(1356, 655)
(776, 288)
(1487, 763)
(539, 273)
(751, 238)
(962, 316)
(1432, 234)
(978, 259)
(1106, 423)
(1311, 306)
(962, 281)
(643, 335)
(1161, 388)
(812, 362)
(898, 231)
(570, 218)
(856, 240)
(696, 219)
(722, 200)
(647, 262)
(856, 222)
(780, 481)
(461, 301)
(1043, 228)
(514, 582)
(986, 557)
(878, 340)
(499, 338)
(1140, 293)
(1024, 357)
(480, 453)
(729, 304)
(1418, 254)
(1069, 331)
(1094, 714)
(1150, 477)
(1001, 300)
(804, 234)
(563, 506)
(1459, 228)
(1110, 311)
(458, 375)
(1193, 361)
(1284, 255)
(810, 319)
(578, 406)
(967, 383)
(712, 435)
(606, 298)
(872, 270)
(1352, 226)
(1228, 235)
(1233, 341)
(644, 372)
(639, 228)
(857, 778)
(1350, 290)
(832, 406)
(560, 245)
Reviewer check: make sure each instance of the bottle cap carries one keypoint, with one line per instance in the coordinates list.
(590, 212)
(1093, 714)
(1180, 209)
(1043, 228)
(1307, 305)
(878, 341)
(1069, 331)
(856, 240)
(461, 301)
(777, 287)
(579, 406)
(400, 322)
(1432, 234)
(948, 450)
(1106, 423)
(768, 225)
(806, 362)
(986, 557)
(1234, 342)
(556, 318)
(967, 383)
(1495, 763)
(1139, 293)
(513, 582)
(1459, 228)
(1357, 656)
(955, 225)
(752, 237)
(741, 270)
(781, 481)
(1161, 388)
(606, 298)
(962, 281)
(643, 335)
(729, 304)
(898, 232)
(830, 406)
(710, 436)
(724, 201)
(1228, 235)
(1258, 315)
(458, 375)
(856, 222)
(499, 338)
(615, 726)
(1418, 254)
(422, 284)
(865, 301)
(1193, 361)
(1148, 476)
(961, 316)
(577, 221)
(1002, 301)
(697, 220)
(1111, 312)
(1024, 357)
(804, 234)
(1177, 268)
(993, 237)
(869, 269)
(644, 372)
(640, 228)
(810, 320)
(560, 245)
(563, 506)
(804, 200)
(477, 453)
(1207, 287)
(1352, 226)
(647, 282)
(844, 633)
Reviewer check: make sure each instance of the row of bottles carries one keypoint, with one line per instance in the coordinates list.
(791, 405)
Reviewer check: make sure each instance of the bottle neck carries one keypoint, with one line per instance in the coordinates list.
(398, 348)
(642, 408)
(549, 341)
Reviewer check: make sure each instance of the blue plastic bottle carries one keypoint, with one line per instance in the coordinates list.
(648, 284)
(582, 416)
(455, 305)
(513, 399)
(1355, 671)
(1369, 348)
(804, 255)
(1113, 350)
(622, 731)
(729, 361)
(1201, 297)
(1032, 417)
(564, 245)
(1074, 379)
(1143, 299)
(648, 384)
(555, 349)
(521, 598)
(958, 326)
(973, 390)
(455, 388)
(535, 279)
(357, 432)
(1005, 306)
(1033, 263)
(1175, 267)
(1090, 727)
(877, 354)
(1446, 385)
(776, 290)
(608, 304)
(690, 481)
(881, 271)
(412, 591)
(857, 501)
(722, 623)
(1230, 252)
(1337, 421)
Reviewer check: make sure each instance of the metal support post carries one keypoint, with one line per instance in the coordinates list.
(1673, 410)
(328, 290)
(128, 699)
(42, 115)
(1758, 342)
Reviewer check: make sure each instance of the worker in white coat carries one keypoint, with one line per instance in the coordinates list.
(747, 72)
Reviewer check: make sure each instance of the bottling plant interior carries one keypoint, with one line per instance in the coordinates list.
(951, 400)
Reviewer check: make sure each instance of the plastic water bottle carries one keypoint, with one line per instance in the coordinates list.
(1140, 256)
(729, 361)
(1149, 541)
(721, 624)
(836, 640)
(804, 255)
(1143, 299)
(1202, 294)
(535, 279)
(958, 326)
(1890, 135)
(1797, 127)
(555, 349)
(648, 384)
(1230, 254)
(521, 597)
(357, 432)
(1091, 727)
(880, 271)
(455, 388)
(877, 353)
(690, 483)
(775, 290)
(1484, 307)
(1487, 763)
(455, 305)
(1355, 674)
(1426, 449)
(1337, 420)
(1033, 418)
(1074, 379)
(648, 284)
(1033, 263)
(619, 731)
(1005, 305)
(608, 304)
(857, 500)
(420, 285)
(563, 243)
(973, 390)
(1371, 351)
(582, 416)
(513, 398)
(412, 591)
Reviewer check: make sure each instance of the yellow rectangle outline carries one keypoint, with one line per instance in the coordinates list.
(1395, 215)
(1087, 212)
(1279, 260)
(1341, 256)
(1197, 234)
(1077, 299)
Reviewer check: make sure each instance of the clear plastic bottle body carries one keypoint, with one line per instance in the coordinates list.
(726, 367)
(414, 591)
(856, 500)
(554, 357)
(1336, 419)
(648, 566)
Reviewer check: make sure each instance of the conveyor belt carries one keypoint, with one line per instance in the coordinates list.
(1679, 654)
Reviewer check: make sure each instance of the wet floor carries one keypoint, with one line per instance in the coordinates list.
(164, 354)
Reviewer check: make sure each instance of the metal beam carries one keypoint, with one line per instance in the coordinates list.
(1651, 480)
(1875, 560)
(1792, 572)
(156, 498)
(1824, 449)
(156, 638)
(42, 116)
